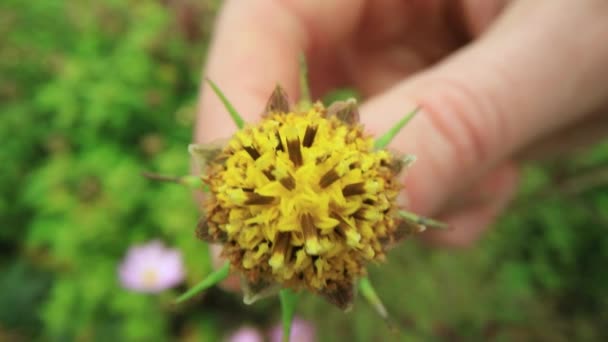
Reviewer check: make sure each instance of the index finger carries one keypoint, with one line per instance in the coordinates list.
(256, 47)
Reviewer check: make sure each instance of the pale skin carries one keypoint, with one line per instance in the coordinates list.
(495, 80)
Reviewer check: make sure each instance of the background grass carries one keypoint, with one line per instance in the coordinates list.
(93, 93)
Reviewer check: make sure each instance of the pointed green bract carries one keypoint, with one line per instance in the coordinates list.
(236, 117)
(204, 154)
(369, 293)
(192, 182)
(387, 137)
(288, 308)
(212, 279)
(421, 220)
(305, 101)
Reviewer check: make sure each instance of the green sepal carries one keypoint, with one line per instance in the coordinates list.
(421, 220)
(236, 117)
(369, 293)
(386, 138)
(289, 300)
(212, 279)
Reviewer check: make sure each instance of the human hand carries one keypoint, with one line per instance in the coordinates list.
(493, 78)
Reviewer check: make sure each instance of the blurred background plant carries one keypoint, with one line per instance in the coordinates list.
(94, 93)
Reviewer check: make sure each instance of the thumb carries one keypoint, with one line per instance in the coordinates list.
(515, 84)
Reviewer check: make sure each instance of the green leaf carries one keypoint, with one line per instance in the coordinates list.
(421, 220)
(212, 279)
(387, 137)
(236, 117)
(288, 308)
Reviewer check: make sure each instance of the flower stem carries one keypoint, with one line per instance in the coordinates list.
(212, 279)
(288, 308)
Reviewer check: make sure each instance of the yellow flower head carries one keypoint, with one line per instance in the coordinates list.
(303, 200)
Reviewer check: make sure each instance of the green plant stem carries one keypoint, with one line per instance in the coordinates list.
(288, 308)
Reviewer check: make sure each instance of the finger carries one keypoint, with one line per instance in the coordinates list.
(485, 202)
(468, 227)
(495, 96)
(398, 38)
(257, 45)
(375, 70)
(395, 39)
(569, 140)
(478, 15)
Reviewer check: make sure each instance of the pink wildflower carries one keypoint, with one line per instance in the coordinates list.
(301, 331)
(151, 268)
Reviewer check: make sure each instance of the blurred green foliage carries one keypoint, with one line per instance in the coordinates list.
(94, 93)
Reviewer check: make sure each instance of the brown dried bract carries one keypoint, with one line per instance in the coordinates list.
(345, 111)
(277, 103)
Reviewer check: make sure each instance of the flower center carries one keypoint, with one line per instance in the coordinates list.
(149, 278)
(306, 194)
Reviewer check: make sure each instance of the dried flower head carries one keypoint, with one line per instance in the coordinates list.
(303, 200)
